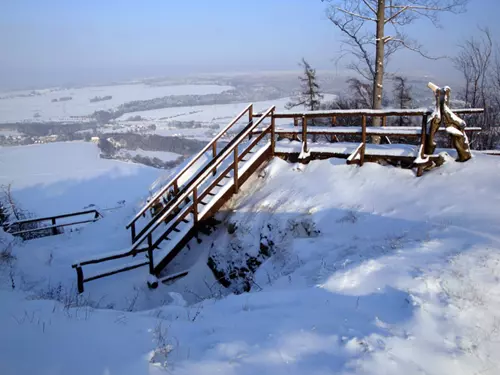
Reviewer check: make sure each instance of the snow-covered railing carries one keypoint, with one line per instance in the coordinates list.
(184, 207)
(367, 112)
(175, 185)
(16, 227)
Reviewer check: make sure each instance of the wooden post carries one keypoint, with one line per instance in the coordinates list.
(150, 254)
(295, 121)
(176, 187)
(132, 230)
(79, 278)
(250, 119)
(195, 204)
(235, 167)
(333, 137)
(334, 120)
(423, 139)
(214, 155)
(363, 141)
(384, 120)
(54, 229)
(304, 132)
(273, 135)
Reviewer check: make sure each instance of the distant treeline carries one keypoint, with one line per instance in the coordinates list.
(100, 98)
(150, 142)
(242, 95)
(40, 129)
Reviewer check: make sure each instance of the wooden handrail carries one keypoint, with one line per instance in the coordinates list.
(368, 113)
(47, 218)
(211, 144)
(220, 158)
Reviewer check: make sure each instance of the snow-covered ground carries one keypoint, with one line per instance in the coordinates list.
(64, 177)
(14, 108)
(373, 271)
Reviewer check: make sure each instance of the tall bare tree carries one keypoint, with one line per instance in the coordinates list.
(373, 31)
(479, 64)
(309, 96)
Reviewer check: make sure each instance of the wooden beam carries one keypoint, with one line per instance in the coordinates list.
(304, 132)
(363, 141)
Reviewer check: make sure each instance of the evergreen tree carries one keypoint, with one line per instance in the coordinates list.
(402, 98)
(309, 95)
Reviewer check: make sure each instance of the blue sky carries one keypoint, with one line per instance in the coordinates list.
(95, 40)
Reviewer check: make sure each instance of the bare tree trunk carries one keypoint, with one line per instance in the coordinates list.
(378, 82)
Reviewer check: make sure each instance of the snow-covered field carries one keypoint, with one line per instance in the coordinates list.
(219, 114)
(64, 177)
(373, 271)
(14, 108)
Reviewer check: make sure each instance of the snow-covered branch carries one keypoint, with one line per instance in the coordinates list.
(356, 15)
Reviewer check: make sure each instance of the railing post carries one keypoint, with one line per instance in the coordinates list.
(304, 132)
(235, 167)
(195, 204)
(214, 155)
(132, 230)
(54, 229)
(150, 254)
(79, 278)
(363, 141)
(273, 133)
(384, 120)
(176, 187)
(423, 139)
(250, 119)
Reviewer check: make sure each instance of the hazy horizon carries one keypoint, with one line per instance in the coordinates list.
(57, 42)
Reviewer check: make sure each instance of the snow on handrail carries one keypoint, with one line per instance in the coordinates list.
(369, 112)
(190, 164)
(201, 178)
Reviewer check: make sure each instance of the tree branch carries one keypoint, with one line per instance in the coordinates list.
(356, 15)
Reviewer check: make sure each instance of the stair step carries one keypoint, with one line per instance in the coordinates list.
(203, 203)
(211, 194)
(185, 221)
(176, 230)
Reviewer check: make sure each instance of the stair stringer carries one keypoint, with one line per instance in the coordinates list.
(264, 158)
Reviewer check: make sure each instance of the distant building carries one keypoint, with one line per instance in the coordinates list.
(94, 139)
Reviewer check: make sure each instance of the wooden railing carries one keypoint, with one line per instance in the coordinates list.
(53, 227)
(192, 191)
(186, 202)
(362, 130)
(174, 182)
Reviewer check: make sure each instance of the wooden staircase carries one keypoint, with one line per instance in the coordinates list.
(190, 198)
(177, 212)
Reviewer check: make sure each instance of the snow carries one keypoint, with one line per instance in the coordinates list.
(54, 178)
(400, 277)
(17, 108)
(346, 148)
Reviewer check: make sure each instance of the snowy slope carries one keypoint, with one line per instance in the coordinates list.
(64, 177)
(372, 271)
